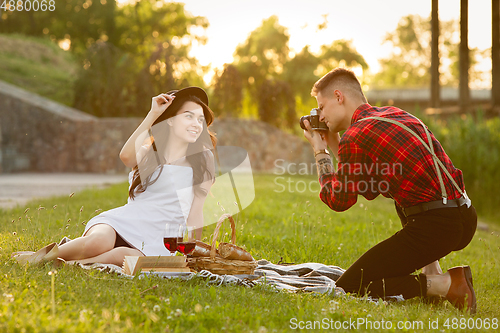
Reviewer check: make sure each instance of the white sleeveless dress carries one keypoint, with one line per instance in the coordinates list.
(141, 222)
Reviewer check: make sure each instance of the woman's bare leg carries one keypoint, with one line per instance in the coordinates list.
(432, 269)
(97, 240)
(114, 256)
(438, 285)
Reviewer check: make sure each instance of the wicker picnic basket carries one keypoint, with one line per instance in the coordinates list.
(216, 263)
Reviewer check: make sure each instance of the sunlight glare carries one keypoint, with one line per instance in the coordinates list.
(358, 70)
(65, 44)
(124, 2)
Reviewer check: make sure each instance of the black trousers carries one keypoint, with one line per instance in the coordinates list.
(386, 269)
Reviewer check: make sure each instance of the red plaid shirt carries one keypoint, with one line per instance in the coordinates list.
(376, 157)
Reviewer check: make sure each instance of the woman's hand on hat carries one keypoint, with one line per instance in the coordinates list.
(160, 103)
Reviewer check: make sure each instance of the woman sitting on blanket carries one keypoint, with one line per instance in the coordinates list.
(173, 170)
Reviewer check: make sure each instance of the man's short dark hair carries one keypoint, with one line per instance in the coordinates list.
(338, 78)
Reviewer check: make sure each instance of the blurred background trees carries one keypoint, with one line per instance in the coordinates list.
(275, 81)
(120, 56)
(409, 63)
(83, 22)
(228, 92)
(127, 53)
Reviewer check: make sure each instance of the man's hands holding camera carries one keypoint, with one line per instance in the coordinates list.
(321, 139)
(317, 138)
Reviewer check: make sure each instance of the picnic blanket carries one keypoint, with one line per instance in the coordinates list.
(307, 277)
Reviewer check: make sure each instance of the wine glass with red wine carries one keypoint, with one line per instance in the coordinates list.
(187, 243)
(172, 237)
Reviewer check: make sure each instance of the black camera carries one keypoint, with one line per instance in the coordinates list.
(313, 119)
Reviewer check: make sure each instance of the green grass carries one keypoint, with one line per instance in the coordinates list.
(295, 226)
(473, 145)
(38, 65)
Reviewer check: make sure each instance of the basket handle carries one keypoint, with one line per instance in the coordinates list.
(216, 233)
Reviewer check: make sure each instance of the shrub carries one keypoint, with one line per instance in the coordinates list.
(473, 144)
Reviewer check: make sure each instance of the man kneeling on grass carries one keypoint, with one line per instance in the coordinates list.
(390, 152)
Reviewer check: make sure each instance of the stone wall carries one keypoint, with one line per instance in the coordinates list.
(264, 143)
(39, 135)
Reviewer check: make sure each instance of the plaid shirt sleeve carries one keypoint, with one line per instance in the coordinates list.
(340, 190)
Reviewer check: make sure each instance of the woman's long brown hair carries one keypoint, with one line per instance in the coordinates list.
(197, 153)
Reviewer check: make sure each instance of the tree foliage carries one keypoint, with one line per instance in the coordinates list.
(305, 68)
(340, 53)
(300, 73)
(409, 63)
(277, 103)
(104, 83)
(267, 67)
(263, 54)
(143, 25)
(128, 54)
(83, 22)
(228, 92)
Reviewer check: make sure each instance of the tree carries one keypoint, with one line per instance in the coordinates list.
(409, 63)
(267, 68)
(340, 53)
(154, 38)
(305, 68)
(228, 92)
(127, 53)
(142, 25)
(82, 22)
(104, 84)
(277, 104)
(260, 61)
(300, 73)
(263, 54)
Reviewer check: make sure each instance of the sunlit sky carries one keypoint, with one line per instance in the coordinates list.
(365, 22)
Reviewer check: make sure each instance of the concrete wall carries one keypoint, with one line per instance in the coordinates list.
(39, 135)
(424, 94)
(409, 98)
(264, 143)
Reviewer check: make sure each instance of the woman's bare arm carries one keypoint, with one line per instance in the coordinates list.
(129, 152)
(195, 217)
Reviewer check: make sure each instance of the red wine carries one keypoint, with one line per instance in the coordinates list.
(186, 247)
(171, 243)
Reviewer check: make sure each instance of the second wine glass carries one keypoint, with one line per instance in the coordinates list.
(187, 243)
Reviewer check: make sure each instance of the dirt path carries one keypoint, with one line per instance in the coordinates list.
(19, 188)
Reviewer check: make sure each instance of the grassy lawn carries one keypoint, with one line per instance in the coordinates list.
(39, 66)
(295, 226)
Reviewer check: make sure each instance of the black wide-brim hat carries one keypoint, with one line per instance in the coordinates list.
(191, 91)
